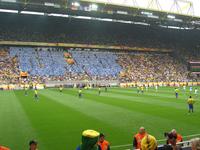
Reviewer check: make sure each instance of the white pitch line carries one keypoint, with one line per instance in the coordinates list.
(161, 140)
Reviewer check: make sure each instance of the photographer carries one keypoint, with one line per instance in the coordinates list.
(173, 137)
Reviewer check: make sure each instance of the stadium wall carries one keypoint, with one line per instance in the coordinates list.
(52, 84)
(72, 45)
(150, 84)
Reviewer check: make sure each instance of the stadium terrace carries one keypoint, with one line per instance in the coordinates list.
(99, 75)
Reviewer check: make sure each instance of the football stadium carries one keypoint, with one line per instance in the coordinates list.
(99, 74)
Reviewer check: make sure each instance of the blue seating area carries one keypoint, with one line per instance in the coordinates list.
(51, 62)
(97, 63)
(43, 62)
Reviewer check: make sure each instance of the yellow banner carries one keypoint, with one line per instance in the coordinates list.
(23, 74)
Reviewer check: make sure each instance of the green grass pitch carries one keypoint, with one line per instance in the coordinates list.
(57, 119)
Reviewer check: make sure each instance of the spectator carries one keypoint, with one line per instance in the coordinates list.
(49, 64)
(138, 138)
(195, 144)
(167, 147)
(179, 136)
(149, 143)
(151, 67)
(33, 145)
(89, 140)
(4, 148)
(173, 137)
(103, 143)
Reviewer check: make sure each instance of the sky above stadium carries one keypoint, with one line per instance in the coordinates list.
(184, 6)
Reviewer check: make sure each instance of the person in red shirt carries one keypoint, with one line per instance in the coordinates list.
(173, 137)
(103, 144)
(179, 137)
(4, 148)
(138, 138)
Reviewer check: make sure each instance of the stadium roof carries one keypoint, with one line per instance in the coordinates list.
(177, 14)
(182, 7)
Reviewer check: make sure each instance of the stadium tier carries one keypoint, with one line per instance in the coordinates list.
(32, 28)
(55, 62)
(91, 75)
(58, 64)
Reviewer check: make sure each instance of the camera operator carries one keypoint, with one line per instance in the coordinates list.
(173, 137)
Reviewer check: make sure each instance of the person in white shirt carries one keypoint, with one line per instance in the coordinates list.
(184, 88)
(190, 89)
(156, 87)
(196, 92)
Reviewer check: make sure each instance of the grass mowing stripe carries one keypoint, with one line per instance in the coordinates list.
(162, 92)
(56, 123)
(95, 111)
(163, 113)
(59, 118)
(166, 90)
(156, 95)
(15, 128)
(140, 98)
(60, 124)
(169, 108)
(147, 109)
(122, 119)
(138, 117)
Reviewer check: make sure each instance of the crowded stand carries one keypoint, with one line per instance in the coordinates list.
(99, 64)
(151, 67)
(9, 71)
(52, 63)
(32, 65)
(58, 64)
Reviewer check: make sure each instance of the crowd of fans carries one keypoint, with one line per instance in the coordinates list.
(9, 71)
(151, 67)
(47, 64)
(93, 140)
(50, 64)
